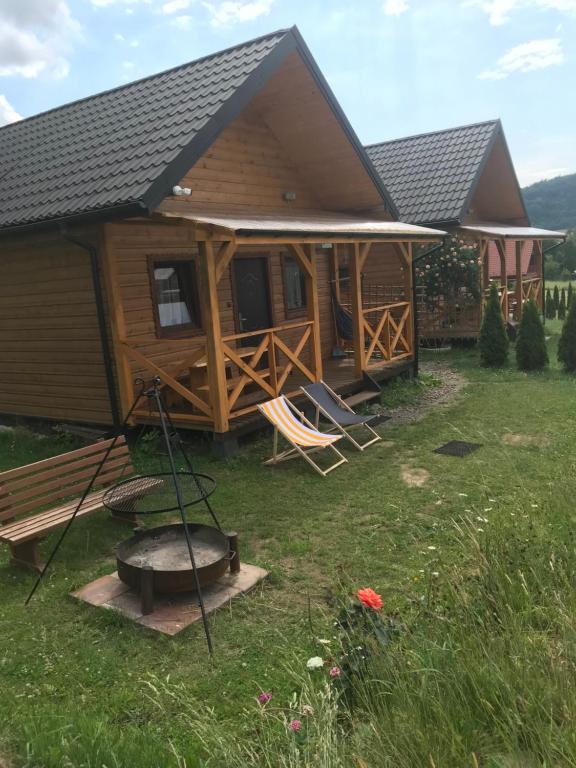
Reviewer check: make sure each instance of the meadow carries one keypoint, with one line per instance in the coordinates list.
(474, 558)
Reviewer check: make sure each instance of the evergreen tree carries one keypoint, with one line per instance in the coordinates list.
(550, 311)
(556, 296)
(570, 296)
(493, 340)
(562, 305)
(531, 352)
(567, 343)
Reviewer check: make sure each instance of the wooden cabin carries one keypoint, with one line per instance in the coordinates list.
(207, 225)
(463, 180)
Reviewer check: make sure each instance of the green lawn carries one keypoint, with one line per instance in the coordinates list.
(84, 688)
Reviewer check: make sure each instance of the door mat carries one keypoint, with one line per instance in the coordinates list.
(457, 448)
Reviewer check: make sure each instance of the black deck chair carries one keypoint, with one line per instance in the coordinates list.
(336, 411)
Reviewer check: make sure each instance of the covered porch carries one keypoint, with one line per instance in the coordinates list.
(214, 380)
(521, 271)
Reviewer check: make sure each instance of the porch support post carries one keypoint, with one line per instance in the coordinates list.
(500, 245)
(539, 262)
(518, 251)
(409, 295)
(357, 312)
(216, 370)
(485, 266)
(314, 311)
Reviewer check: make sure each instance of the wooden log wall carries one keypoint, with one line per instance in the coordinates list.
(51, 363)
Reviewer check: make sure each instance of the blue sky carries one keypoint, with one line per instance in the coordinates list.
(398, 67)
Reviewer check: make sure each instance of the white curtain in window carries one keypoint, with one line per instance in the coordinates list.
(171, 309)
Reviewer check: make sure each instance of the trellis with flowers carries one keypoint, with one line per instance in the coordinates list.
(451, 275)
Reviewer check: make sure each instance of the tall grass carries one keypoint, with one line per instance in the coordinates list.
(484, 675)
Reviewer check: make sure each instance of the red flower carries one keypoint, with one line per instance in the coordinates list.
(369, 598)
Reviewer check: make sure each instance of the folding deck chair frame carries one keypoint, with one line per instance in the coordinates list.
(297, 417)
(336, 427)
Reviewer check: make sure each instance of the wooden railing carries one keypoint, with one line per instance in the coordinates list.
(274, 358)
(505, 296)
(171, 375)
(387, 333)
(263, 370)
(532, 289)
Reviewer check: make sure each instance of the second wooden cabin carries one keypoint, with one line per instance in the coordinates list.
(463, 180)
(219, 226)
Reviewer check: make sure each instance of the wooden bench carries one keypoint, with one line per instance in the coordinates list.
(55, 487)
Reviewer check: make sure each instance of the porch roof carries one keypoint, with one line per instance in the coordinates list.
(514, 233)
(308, 224)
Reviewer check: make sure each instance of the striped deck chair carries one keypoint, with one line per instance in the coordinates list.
(339, 414)
(299, 433)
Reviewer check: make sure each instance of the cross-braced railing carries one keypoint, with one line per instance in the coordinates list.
(276, 354)
(386, 333)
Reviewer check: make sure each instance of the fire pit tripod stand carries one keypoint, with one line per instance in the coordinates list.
(171, 558)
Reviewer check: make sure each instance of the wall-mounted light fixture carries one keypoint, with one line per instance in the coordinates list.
(289, 196)
(179, 191)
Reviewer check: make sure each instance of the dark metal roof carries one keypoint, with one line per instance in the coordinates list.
(431, 176)
(122, 151)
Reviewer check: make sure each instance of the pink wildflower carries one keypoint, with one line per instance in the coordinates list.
(295, 725)
(335, 672)
(264, 697)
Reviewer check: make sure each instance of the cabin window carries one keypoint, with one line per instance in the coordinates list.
(176, 293)
(294, 284)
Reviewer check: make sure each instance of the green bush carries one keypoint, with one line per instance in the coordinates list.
(562, 305)
(567, 343)
(531, 352)
(556, 297)
(570, 296)
(493, 341)
(550, 309)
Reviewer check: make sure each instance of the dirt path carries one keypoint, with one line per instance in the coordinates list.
(451, 384)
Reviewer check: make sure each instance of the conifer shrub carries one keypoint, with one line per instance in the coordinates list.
(493, 342)
(556, 297)
(567, 343)
(549, 308)
(531, 352)
(570, 296)
(562, 305)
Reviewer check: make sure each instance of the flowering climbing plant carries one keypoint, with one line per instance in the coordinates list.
(451, 274)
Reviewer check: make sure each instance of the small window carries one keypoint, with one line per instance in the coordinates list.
(294, 284)
(176, 291)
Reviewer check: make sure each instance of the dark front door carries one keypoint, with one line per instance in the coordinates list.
(252, 296)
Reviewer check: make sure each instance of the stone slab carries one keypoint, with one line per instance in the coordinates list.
(172, 613)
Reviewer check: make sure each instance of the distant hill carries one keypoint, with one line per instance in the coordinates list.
(552, 204)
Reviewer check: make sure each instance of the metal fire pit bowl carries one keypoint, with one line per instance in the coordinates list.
(164, 549)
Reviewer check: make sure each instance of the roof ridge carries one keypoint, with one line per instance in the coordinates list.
(494, 122)
(147, 77)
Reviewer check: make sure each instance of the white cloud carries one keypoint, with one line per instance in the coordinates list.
(500, 11)
(183, 22)
(395, 7)
(119, 37)
(175, 5)
(7, 112)
(36, 37)
(106, 3)
(527, 57)
(234, 11)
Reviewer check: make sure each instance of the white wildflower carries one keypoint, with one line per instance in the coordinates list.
(315, 662)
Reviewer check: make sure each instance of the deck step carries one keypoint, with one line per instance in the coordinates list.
(362, 397)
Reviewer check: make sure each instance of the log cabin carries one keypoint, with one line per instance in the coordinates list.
(217, 226)
(463, 180)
